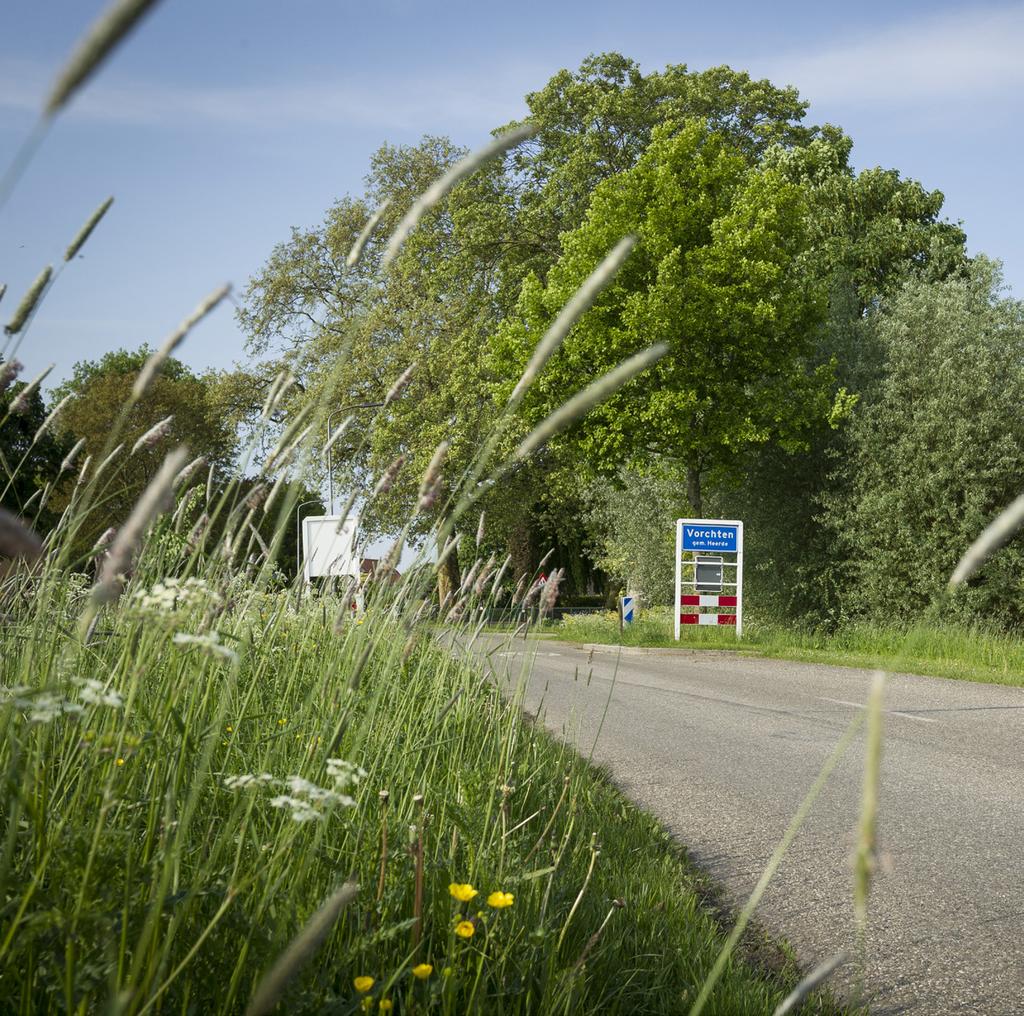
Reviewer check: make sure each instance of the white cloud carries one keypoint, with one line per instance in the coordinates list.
(967, 56)
(469, 97)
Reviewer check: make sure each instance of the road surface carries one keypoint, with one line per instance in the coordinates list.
(722, 749)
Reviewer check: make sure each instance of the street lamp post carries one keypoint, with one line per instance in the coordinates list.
(298, 534)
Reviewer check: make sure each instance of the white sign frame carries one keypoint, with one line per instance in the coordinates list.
(737, 564)
(328, 551)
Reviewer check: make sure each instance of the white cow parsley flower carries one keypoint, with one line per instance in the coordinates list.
(96, 693)
(211, 643)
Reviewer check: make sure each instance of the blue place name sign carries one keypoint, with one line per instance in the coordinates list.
(710, 538)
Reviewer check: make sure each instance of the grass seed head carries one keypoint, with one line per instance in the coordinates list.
(357, 248)
(83, 234)
(155, 500)
(437, 190)
(570, 313)
(17, 540)
(995, 534)
(28, 302)
(69, 459)
(20, 402)
(430, 485)
(94, 47)
(300, 950)
(585, 400)
(50, 417)
(154, 434)
(9, 371)
(152, 366)
(399, 386)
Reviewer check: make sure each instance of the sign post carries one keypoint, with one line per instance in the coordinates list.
(709, 560)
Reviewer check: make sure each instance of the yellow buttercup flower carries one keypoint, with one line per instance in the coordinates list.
(465, 929)
(463, 892)
(363, 984)
(422, 971)
(385, 1005)
(500, 900)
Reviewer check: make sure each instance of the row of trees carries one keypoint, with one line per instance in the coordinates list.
(840, 373)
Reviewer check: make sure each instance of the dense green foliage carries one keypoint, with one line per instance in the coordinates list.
(776, 272)
(715, 275)
(31, 454)
(936, 453)
(101, 405)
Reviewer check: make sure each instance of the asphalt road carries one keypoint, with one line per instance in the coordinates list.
(722, 749)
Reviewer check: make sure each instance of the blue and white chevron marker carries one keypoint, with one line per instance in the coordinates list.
(628, 604)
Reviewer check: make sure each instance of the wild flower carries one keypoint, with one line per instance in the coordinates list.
(385, 1005)
(16, 695)
(47, 707)
(301, 787)
(242, 781)
(302, 811)
(174, 596)
(363, 984)
(462, 891)
(465, 929)
(422, 971)
(345, 774)
(96, 693)
(211, 643)
(500, 900)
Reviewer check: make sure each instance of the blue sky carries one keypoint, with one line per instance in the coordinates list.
(220, 125)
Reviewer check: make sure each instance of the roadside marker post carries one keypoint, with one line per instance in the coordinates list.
(627, 609)
(709, 560)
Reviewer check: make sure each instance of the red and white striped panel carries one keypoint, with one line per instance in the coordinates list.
(708, 601)
(707, 618)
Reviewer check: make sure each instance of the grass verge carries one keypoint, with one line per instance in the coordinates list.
(964, 654)
(183, 794)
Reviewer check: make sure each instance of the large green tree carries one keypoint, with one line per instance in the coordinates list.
(100, 390)
(713, 275)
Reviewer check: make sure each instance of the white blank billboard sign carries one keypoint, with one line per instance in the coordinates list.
(325, 550)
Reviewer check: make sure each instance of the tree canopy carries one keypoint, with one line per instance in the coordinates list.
(713, 275)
